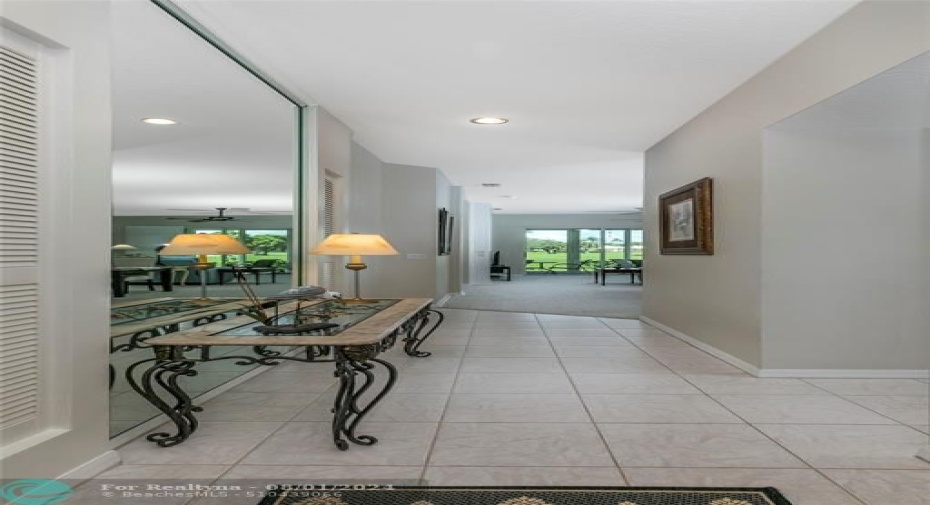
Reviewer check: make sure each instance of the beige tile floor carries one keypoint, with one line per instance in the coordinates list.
(524, 399)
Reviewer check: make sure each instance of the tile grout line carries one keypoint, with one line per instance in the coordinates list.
(777, 443)
(682, 377)
(283, 425)
(600, 435)
(432, 445)
(232, 466)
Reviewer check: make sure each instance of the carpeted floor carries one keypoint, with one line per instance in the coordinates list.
(565, 294)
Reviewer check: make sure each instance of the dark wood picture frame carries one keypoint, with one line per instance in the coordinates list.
(445, 232)
(686, 219)
(450, 225)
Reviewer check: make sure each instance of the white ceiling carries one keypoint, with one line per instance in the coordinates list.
(587, 85)
(233, 144)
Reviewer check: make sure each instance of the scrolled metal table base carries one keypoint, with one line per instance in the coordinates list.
(348, 408)
(414, 329)
(355, 368)
(163, 376)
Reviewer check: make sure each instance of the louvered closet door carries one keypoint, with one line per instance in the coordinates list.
(19, 259)
(327, 264)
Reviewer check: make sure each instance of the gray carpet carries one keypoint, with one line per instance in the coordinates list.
(565, 294)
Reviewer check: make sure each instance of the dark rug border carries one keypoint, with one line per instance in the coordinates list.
(770, 492)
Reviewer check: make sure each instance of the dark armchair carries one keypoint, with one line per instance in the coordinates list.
(498, 270)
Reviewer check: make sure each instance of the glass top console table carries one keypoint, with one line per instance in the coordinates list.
(132, 323)
(349, 335)
(167, 314)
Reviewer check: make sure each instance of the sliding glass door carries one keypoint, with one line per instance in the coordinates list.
(267, 245)
(577, 250)
(545, 248)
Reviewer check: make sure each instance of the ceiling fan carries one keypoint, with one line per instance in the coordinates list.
(221, 216)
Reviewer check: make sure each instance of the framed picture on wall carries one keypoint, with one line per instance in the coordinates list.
(445, 236)
(686, 219)
(450, 225)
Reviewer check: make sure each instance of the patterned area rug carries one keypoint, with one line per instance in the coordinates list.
(317, 495)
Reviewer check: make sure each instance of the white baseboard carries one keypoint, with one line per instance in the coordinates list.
(787, 372)
(442, 301)
(924, 453)
(842, 373)
(93, 467)
(709, 349)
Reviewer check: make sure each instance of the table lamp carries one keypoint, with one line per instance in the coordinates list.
(201, 245)
(123, 248)
(354, 245)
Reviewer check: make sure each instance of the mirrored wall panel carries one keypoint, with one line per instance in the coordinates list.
(200, 146)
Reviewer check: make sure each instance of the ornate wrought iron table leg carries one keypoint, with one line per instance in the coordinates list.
(163, 375)
(414, 339)
(348, 410)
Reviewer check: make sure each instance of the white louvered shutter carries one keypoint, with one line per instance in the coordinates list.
(327, 265)
(19, 257)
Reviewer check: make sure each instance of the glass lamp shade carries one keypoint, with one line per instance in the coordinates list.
(354, 244)
(202, 244)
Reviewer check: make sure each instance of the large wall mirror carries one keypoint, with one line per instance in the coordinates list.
(226, 166)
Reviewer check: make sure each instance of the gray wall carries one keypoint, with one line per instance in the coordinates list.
(458, 258)
(411, 197)
(331, 159)
(399, 202)
(479, 243)
(443, 263)
(362, 193)
(510, 230)
(841, 264)
(717, 299)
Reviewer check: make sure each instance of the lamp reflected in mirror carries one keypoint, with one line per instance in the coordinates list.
(202, 245)
(122, 249)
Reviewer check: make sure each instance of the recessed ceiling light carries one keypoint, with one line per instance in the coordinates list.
(490, 184)
(489, 120)
(159, 121)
